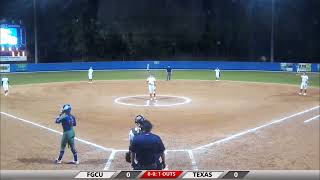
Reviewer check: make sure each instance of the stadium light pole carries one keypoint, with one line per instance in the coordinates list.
(35, 32)
(272, 33)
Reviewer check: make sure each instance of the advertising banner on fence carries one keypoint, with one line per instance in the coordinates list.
(287, 67)
(13, 58)
(304, 67)
(4, 68)
(296, 67)
(189, 65)
(21, 67)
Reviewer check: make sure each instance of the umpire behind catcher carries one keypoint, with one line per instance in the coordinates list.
(169, 73)
(146, 149)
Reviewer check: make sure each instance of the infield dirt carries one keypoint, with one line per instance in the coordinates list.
(217, 110)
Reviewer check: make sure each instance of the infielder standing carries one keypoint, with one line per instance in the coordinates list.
(68, 121)
(304, 84)
(151, 81)
(5, 85)
(90, 74)
(217, 70)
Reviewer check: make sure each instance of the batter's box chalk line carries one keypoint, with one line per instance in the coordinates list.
(189, 151)
(157, 103)
(313, 118)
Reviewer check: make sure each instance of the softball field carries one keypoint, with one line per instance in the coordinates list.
(204, 124)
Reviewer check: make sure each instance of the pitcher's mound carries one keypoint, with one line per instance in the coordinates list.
(144, 100)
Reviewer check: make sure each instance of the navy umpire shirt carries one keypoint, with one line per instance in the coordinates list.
(169, 69)
(148, 148)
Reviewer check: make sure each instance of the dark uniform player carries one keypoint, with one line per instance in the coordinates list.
(169, 73)
(68, 121)
(147, 148)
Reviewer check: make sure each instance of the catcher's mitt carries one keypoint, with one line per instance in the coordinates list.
(128, 157)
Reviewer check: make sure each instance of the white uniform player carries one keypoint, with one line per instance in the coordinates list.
(151, 81)
(90, 74)
(304, 84)
(217, 70)
(5, 85)
(148, 68)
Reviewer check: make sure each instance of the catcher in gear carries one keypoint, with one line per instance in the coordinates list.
(133, 132)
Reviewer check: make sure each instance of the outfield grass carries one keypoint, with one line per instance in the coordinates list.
(252, 76)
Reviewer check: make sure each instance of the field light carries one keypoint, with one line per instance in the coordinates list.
(10, 49)
(12, 53)
(2, 48)
(23, 53)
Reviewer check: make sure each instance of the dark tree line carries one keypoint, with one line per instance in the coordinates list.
(93, 30)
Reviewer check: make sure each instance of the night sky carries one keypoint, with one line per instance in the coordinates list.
(94, 30)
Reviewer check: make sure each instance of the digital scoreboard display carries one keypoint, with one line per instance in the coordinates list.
(12, 42)
(12, 35)
(8, 36)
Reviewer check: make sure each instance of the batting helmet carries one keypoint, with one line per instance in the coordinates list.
(139, 119)
(66, 108)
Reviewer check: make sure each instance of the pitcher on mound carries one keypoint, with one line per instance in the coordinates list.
(151, 81)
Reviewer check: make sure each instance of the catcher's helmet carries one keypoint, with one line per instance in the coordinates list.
(66, 108)
(139, 119)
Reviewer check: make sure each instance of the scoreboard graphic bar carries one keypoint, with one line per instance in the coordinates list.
(202, 174)
(95, 174)
(165, 174)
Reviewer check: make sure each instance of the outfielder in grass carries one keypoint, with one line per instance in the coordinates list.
(68, 121)
(218, 75)
(90, 75)
(5, 85)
